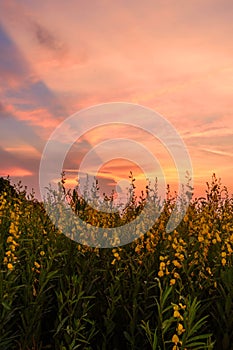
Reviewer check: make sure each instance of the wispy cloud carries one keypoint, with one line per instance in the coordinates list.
(218, 132)
(218, 152)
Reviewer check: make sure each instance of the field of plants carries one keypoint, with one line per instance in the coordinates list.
(162, 291)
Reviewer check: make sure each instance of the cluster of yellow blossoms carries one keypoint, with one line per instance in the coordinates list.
(116, 255)
(169, 266)
(177, 314)
(36, 267)
(11, 242)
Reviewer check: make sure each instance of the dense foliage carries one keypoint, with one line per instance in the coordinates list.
(162, 291)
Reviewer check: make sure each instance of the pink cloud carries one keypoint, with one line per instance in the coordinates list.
(175, 58)
(36, 117)
(25, 151)
(15, 172)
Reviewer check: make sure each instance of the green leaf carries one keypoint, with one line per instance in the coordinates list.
(6, 306)
(155, 340)
(198, 337)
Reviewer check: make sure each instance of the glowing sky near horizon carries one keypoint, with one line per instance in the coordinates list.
(175, 57)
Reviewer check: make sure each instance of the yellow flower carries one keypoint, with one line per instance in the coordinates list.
(176, 314)
(42, 253)
(14, 243)
(9, 239)
(181, 256)
(200, 239)
(176, 275)
(148, 247)
(10, 266)
(37, 265)
(160, 273)
(175, 347)
(12, 228)
(113, 262)
(117, 256)
(180, 328)
(218, 237)
(224, 254)
(224, 261)
(172, 281)
(8, 253)
(162, 265)
(176, 263)
(175, 339)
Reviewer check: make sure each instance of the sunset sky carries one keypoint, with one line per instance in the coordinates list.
(175, 57)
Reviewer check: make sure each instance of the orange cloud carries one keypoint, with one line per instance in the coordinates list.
(16, 172)
(24, 151)
(175, 58)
